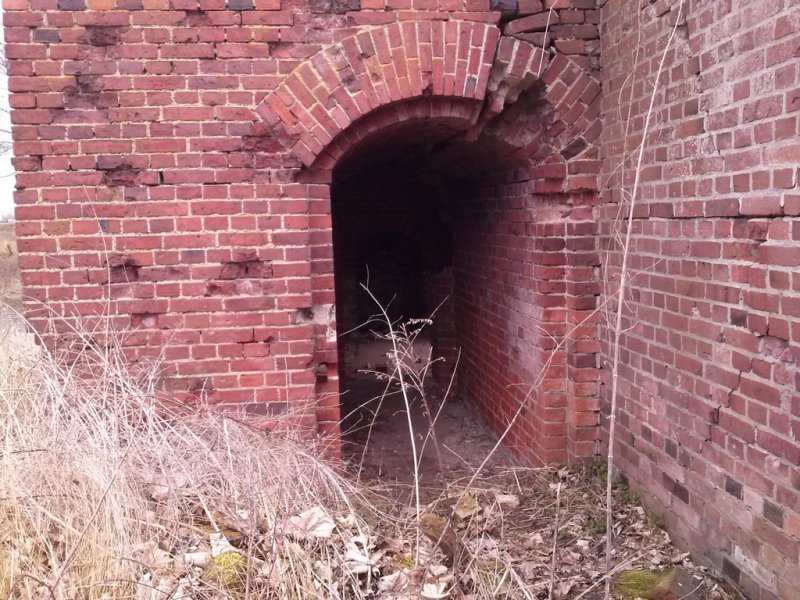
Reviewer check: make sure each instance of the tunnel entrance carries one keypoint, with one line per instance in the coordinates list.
(418, 233)
(404, 100)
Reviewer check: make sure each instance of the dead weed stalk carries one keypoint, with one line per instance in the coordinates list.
(619, 303)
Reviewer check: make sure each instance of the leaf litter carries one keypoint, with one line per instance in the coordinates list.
(111, 496)
(502, 525)
(504, 522)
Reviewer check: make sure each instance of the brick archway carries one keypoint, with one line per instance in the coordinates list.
(483, 85)
(376, 67)
(456, 59)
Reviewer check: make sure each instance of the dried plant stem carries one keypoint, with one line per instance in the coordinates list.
(399, 368)
(620, 300)
(555, 543)
(89, 522)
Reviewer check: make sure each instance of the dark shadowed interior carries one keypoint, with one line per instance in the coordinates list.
(430, 224)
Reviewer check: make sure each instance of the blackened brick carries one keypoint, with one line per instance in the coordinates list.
(733, 487)
(730, 570)
(71, 4)
(774, 513)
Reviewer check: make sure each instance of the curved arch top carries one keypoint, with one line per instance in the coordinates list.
(379, 66)
(387, 64)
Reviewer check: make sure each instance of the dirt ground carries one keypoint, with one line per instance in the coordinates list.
(505, 514)
(449, 433)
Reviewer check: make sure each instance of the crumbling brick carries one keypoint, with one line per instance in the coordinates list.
(200, 139)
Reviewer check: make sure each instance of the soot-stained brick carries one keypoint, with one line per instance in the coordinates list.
(245, 269)
(46, 35)
(71, 4)
(730, 570)
(574, 148)
(240, 5)
(103, 36)
(681, 492)
(733, 487)
(774, 513)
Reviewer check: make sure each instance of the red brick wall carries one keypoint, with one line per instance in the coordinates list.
(514, 269)
(175, 161)
(175, 158)
(709, 422)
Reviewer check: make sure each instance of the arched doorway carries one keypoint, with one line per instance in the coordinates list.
(416, 209)
(501, 143)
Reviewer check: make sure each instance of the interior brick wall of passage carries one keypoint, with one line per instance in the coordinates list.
(515, 265)
(709, 423)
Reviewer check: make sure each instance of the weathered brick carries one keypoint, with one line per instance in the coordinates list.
(538, 22)
(240, 5)
(728, 200)
(202, 136)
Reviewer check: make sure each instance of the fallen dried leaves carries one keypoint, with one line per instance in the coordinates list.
(492, 540)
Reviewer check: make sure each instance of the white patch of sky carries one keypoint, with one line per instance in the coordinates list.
(6, 170)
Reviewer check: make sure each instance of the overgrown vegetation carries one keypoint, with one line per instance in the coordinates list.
(109, 493)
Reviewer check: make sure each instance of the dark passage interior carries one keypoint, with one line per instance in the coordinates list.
(391, 237)
(430, 224)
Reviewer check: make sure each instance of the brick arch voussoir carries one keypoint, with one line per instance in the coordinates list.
(376, 67)
(392, 64)
(575, 96)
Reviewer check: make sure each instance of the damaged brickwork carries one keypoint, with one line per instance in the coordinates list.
(182, 155)
(205, 172)
(710, 418)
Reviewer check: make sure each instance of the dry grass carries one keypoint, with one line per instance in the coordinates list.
(10, 287)
(107, 495)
